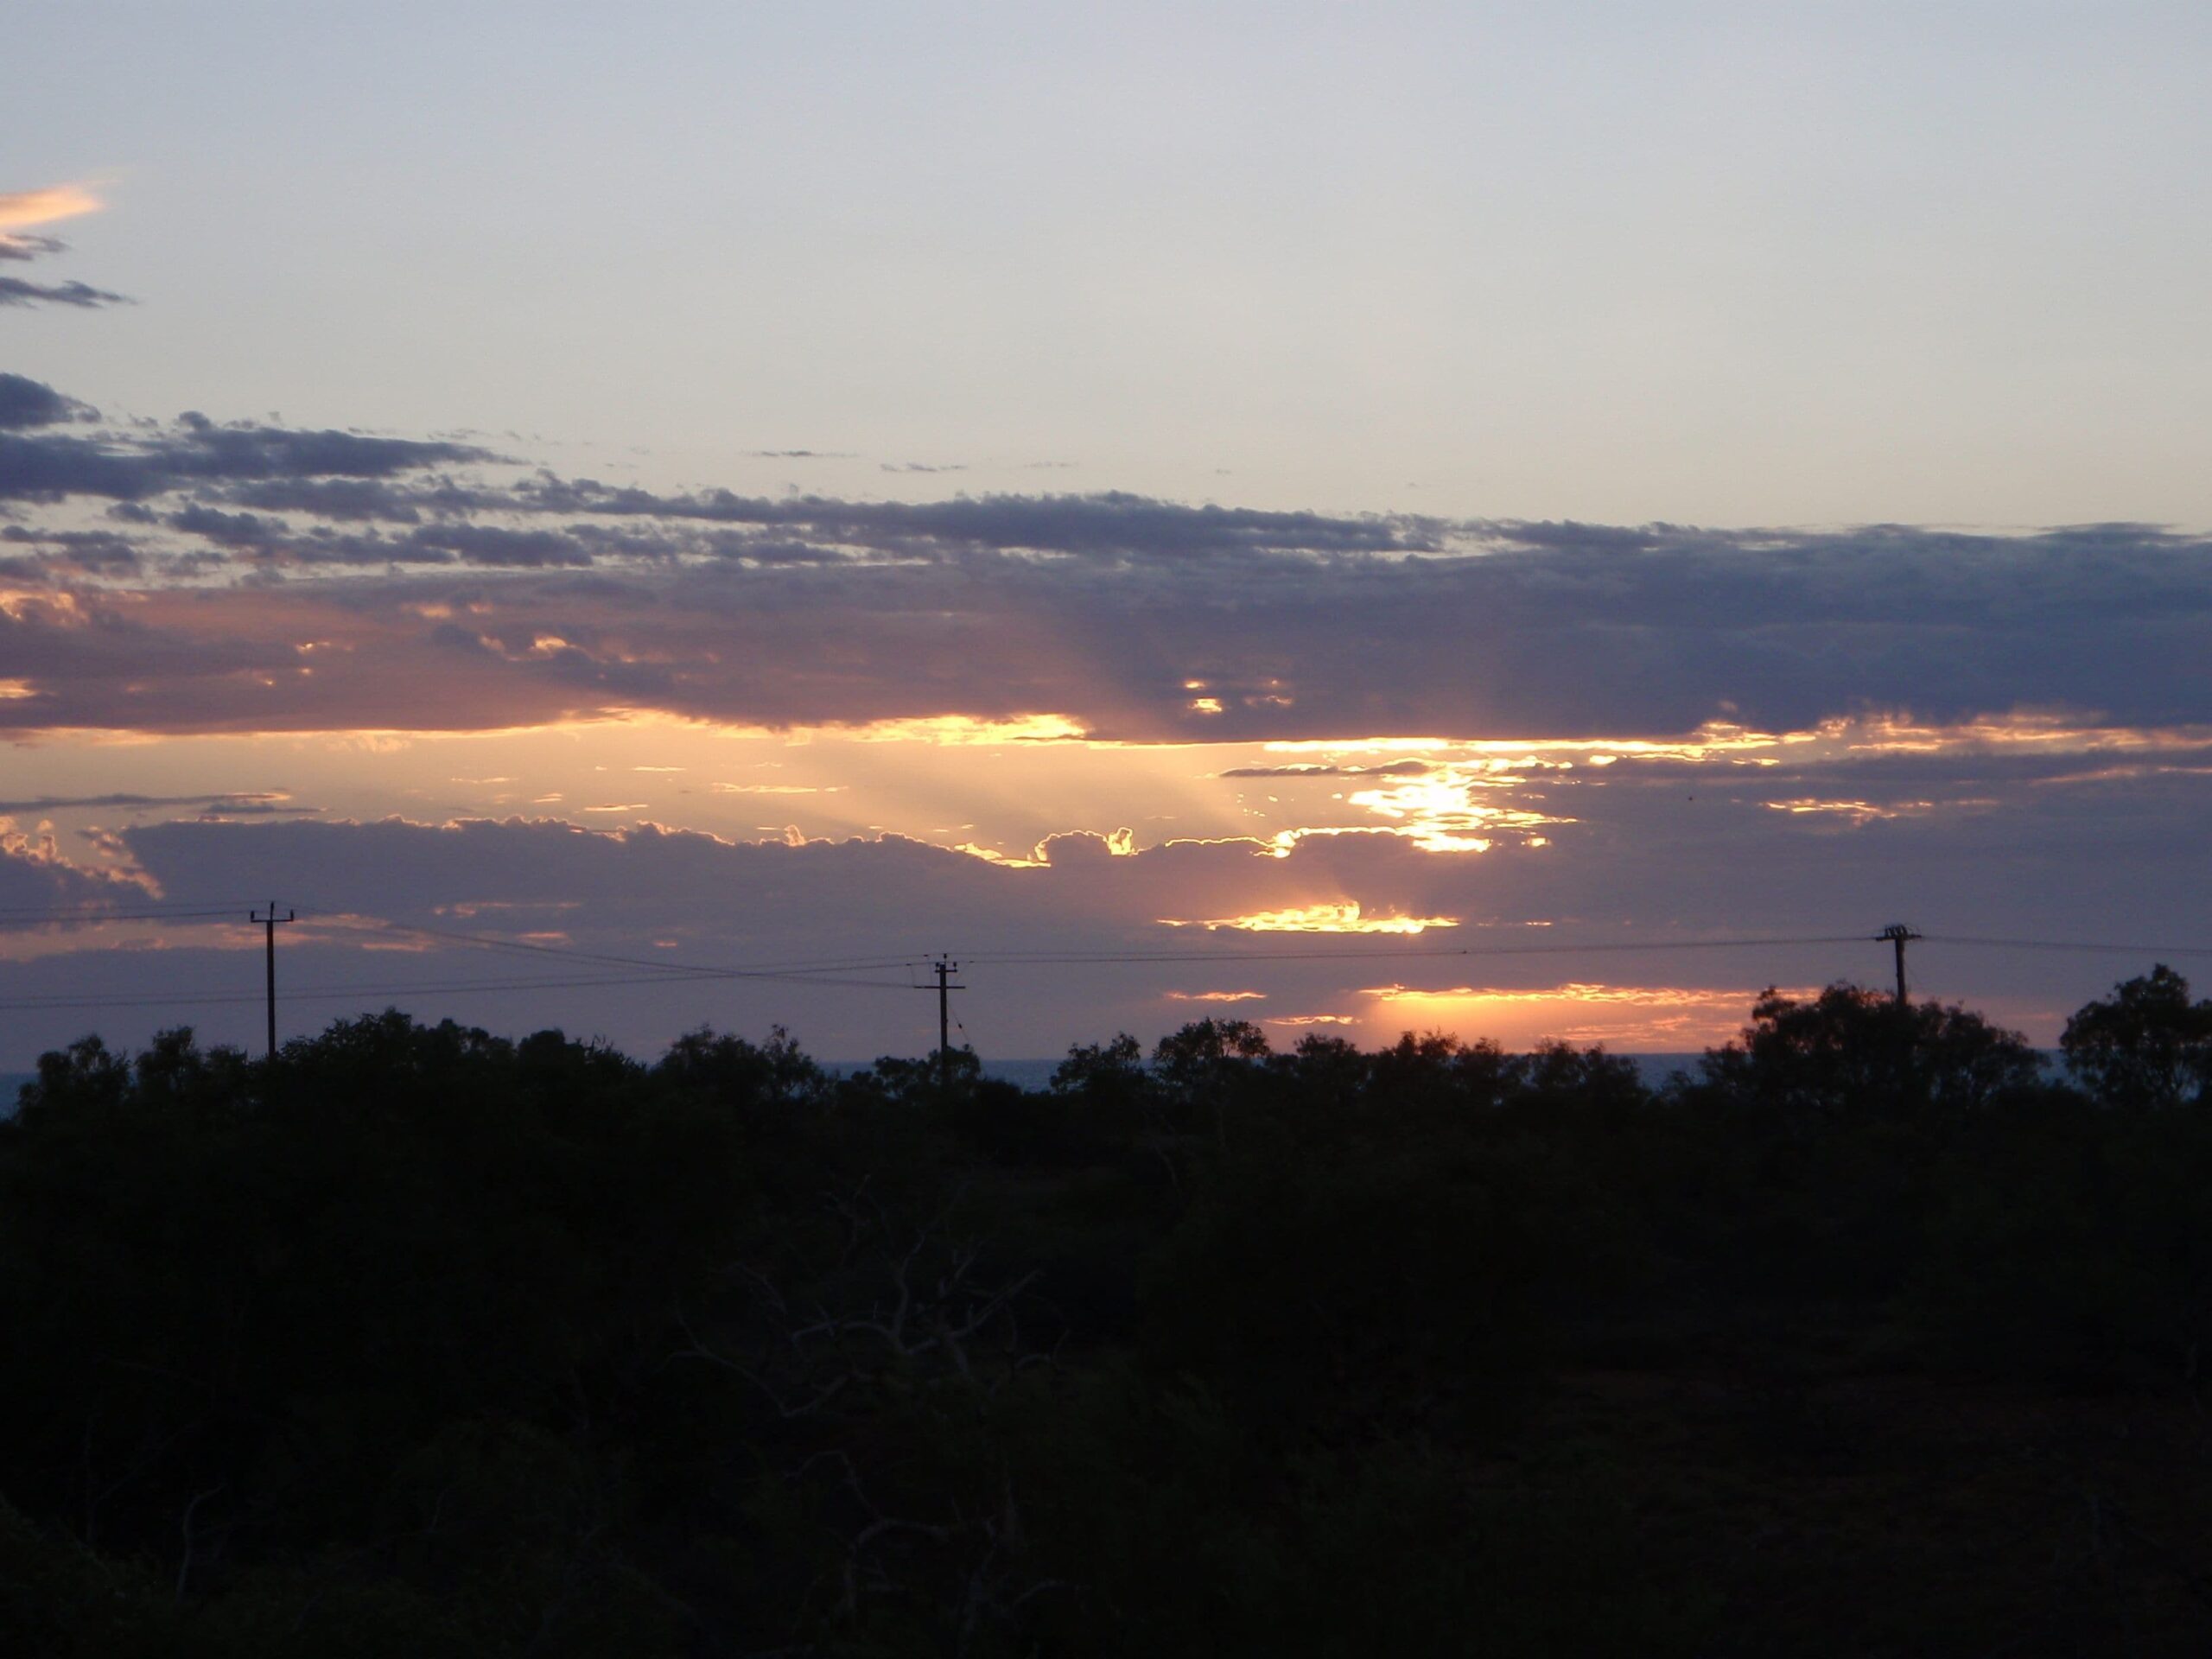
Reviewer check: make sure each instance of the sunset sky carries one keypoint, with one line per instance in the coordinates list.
(1357, 519)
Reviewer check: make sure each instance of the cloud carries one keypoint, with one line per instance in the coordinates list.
(15, 290)
(1112, 522)
(21, 209)
(495, 548)
(234, 529)
(1386, 769)
(26, 403)
(61, 555)
(657, 879)
(1108, 614)
(1514, 643)
(36, 880)
(346, 499)
(135, 466)
(26, 248)
(227, 803)
(1666, 857)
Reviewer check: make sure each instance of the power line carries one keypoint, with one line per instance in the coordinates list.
(1371, 954)
(93, 918)
(492, 942)
(2075, 945)
(96, 908)
(340, 993)
(839, 972)
(195, 910)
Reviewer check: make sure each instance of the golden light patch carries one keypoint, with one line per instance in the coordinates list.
(991, 855)
(1653, 1018)
(1344, 917)
(1857, 812)
(1576, 991)
(966, 730)
(1443, 814)
(32, 605)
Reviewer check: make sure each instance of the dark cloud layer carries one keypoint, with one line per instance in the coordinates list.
(452, 593)
(28, 403)
(133, 465)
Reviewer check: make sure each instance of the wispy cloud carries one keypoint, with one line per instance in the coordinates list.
(15, 290)
(228, 805)
(20, 210)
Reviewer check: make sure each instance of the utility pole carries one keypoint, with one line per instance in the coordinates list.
(1899, 935)
(945, 968)
(269, 923)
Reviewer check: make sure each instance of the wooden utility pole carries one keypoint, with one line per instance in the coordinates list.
(1899, 935)
(269, 922)
(945, 968)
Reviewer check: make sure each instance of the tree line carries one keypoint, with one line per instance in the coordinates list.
(1868, 1333)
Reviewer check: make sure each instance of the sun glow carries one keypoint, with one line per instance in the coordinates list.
(1341, 918)
(1662, 1019)
(968, 730)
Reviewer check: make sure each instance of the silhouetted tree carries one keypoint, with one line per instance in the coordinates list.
(1855, 1050)
(1203, 1051)
(2145, 1045)
(1109, 1075)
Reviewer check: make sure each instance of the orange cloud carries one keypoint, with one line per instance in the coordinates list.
(22, 209)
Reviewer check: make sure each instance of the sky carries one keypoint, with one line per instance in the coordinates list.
(1527, 521)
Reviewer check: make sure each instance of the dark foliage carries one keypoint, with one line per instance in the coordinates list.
(1868, 1338)
(2146, 1046)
